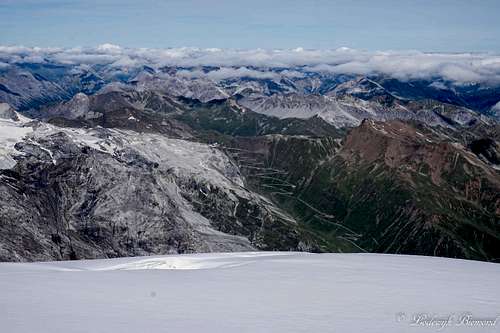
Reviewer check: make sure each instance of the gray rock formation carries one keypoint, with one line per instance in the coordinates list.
(77, 193)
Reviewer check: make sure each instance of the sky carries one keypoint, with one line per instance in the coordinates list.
(424, 25)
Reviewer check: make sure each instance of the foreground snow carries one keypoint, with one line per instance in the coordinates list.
(250, 292)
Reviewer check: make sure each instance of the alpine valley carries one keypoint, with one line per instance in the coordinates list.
(111, 152)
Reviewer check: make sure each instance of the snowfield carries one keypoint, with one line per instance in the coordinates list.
(251, 292)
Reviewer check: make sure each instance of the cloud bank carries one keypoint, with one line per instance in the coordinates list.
(457, 68)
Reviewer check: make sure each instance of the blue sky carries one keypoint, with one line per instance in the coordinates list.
(426, 25)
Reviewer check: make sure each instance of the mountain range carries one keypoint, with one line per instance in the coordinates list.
(103, 161)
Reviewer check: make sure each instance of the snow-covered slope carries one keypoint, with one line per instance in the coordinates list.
(12, 130)
(251, 292)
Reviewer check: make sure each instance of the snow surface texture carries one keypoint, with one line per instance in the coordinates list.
(248, 292)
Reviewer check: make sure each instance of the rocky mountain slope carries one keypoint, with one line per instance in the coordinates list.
(89, 193)
(389, 187)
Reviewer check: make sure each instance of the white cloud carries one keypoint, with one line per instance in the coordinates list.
(109, 48)
(457, 68)
(229, 73)
(438, 85)
(125, 61)
(224, 73)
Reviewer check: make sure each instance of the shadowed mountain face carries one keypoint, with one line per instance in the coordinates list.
(150, 162)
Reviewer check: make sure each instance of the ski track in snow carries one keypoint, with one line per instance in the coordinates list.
(246, 292)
